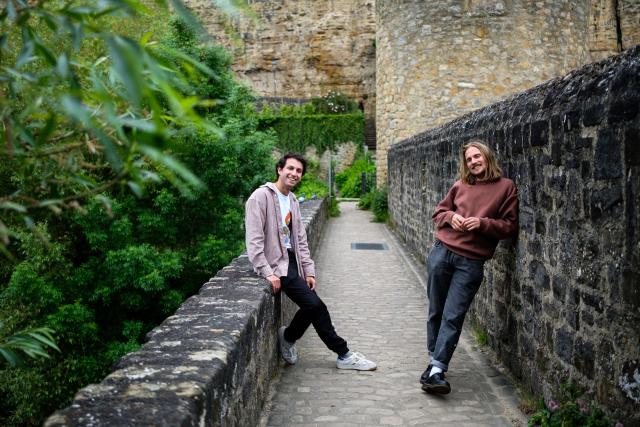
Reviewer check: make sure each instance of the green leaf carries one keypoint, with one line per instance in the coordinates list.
(125, 56)
(190, 59)
(135, 188)
(4, 234)
(11, 357)
(11, 10)
(173, 165)
(13, 206)
(46, 131)
(44, 336)
(235, 7)
(44, 51)
(77, 35)
(62, 66)
(78, 111)
(187, 16)
(28, 221)
(26, 54)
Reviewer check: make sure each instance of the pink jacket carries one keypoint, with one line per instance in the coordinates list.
(265, 238)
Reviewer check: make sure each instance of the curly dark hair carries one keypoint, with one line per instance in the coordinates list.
(296, 156)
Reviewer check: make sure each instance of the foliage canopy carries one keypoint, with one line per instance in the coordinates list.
(125, 162)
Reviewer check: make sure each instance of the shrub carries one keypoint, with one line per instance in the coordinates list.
(334, 103)
(365, 200)
(310, 186)
(349, 181)
(571, 409)
(380, 205)
(334, 207)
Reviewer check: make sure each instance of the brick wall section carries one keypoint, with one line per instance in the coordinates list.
(562, 300)
(210, 364)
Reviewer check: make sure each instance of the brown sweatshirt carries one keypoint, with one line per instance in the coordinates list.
(494, 202)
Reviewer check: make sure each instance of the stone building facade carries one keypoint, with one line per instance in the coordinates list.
(561, 302)
(440, 59)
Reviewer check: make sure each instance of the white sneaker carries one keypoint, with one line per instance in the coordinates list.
(288, 350)
(356, 361)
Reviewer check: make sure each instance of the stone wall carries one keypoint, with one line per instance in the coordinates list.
(341, 158)
(300, 48)
(629, 16)
(440, 59)
(210, 364)
(562, 301)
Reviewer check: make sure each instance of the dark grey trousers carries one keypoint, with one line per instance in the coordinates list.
(312, 311)
(453, 281)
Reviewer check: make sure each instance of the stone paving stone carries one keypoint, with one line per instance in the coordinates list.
(377, 303)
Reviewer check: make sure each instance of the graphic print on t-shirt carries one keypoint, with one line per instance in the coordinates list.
(286, 228)
(285, 218)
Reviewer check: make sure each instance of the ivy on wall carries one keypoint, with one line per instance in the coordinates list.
(323, 123)
(322, 131)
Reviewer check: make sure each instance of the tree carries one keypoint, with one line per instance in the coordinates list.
(84, 109)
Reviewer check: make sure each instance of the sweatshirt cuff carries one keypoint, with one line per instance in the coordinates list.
(448, 217)
(266, 271)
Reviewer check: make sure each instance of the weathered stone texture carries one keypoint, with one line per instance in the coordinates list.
(562, 301)
(603, 33)
(437, 60)
(300, 48)
(340, 158)
(629, 15)
(210, 364)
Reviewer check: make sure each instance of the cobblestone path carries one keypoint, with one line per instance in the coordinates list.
(377, 302)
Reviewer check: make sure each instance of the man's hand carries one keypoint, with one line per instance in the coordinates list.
(457, 222)
(275, 283)
(471, 223)
(311, 281)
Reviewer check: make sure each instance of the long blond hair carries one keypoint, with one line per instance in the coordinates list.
(493, 170)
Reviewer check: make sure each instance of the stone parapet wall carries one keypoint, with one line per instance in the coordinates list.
(561, 302)
(210, 364)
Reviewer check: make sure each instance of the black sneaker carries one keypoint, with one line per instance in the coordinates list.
(425, 375)
(437, 384)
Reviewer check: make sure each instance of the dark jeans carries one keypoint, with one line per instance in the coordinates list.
(453, 281)
(312, 311)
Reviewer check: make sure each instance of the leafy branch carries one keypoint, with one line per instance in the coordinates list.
(76, 97)
(32, 343)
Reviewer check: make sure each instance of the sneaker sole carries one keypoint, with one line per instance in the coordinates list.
(436, 389)
(357, 369)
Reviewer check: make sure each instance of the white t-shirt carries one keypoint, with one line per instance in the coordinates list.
(285, 220)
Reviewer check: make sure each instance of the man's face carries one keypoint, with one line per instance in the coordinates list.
(290, 174)
(476, 162)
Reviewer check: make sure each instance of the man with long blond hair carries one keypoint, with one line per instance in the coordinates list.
(480, 209)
